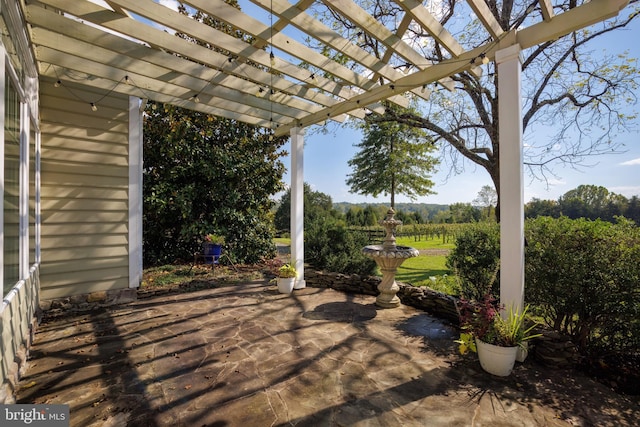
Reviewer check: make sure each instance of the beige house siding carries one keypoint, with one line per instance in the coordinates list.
(85, 190)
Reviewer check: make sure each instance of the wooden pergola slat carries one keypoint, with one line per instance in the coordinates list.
(303, 86)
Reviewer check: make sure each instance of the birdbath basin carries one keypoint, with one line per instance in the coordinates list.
(389, 257)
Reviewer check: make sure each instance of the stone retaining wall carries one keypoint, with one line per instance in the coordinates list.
(87, 302)
(435, 303)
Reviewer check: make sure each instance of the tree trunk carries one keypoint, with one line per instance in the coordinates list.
(393, 192)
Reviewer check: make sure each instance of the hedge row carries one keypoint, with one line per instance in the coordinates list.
(582, 277)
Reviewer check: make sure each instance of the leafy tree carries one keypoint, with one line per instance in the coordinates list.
(393, 159)
(463, 212)
(316, 204)
(354, 216)
(487, 198)
(196, 170)
(196, 177)
(329, 245)
(633, 210)
(593, 202)
(567, 88)
(537, 207)
(404, 217)
(417, 217)
(442, 217)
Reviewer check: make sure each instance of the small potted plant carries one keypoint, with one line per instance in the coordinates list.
(212, 247)
(495, 338)
(214, 239)
(286, 278)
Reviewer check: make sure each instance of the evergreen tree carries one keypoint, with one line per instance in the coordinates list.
(393, 159)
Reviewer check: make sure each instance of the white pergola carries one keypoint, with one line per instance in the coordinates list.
(129, 47)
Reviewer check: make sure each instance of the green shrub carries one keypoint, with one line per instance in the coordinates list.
(581, 276)
(330, 246)
(476, 259)
(584, 279)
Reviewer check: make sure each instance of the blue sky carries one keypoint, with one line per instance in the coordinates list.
(326, 157)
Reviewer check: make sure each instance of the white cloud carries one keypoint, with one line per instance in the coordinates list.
(633, 162)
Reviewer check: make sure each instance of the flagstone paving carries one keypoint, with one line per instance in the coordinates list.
(246, 355)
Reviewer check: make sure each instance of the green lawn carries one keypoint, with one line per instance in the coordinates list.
(426, 269)
(282, 240)
(424, 243)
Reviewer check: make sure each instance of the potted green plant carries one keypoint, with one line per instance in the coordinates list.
(212, 247)
(214, 239)
(286, 278)
(495, 338)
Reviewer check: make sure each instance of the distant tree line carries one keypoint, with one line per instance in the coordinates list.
(366, 215)
(586, 201)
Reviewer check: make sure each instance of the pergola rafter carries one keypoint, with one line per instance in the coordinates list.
(300, 86)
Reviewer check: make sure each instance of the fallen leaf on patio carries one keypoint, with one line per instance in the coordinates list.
(31, 384)
(187, 387)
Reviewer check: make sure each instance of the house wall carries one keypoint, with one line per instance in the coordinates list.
(85, 190)
(19, 152)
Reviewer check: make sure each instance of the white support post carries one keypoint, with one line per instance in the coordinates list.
(135, 191)
(25, 132)
(511, 178)
(3, 91)
(297, 204)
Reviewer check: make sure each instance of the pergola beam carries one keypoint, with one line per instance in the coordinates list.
(575, 19)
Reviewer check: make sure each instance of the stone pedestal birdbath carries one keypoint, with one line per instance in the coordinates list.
(389, 257)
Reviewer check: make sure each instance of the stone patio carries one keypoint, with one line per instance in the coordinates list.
(246, 355)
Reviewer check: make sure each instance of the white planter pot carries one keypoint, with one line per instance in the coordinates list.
(496, 360)
(285, 284)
